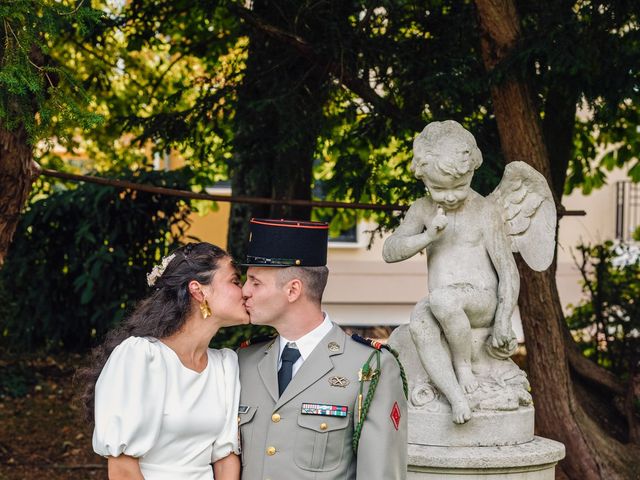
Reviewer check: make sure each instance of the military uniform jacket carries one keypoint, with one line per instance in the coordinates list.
(280, 442)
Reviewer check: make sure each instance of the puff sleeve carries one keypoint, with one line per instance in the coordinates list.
(129, 399)
(227, 442)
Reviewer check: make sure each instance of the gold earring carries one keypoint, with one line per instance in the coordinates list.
(204, 308)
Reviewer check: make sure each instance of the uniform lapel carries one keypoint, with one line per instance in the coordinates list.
(315, 366)
(268, 368)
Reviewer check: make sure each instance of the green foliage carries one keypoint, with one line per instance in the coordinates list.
(173, 73)
(590, 51)
(80, 257)
(212, 80)
(203, 96)
(15, 380)
(607, 323)
(232, 337)
(30, 94)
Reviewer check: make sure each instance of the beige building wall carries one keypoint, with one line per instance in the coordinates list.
(364, 290)
(212, 227)
(597, 226)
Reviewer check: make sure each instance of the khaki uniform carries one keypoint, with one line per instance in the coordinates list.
(279, 442)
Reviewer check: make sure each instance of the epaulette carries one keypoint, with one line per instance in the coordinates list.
(370, 373)
(254, 340)
(383, 346)
(368, 341)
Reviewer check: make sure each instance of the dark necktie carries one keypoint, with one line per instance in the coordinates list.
(288, 357)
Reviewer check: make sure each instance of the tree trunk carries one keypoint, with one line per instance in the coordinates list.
(558, 128)
(279, 114)
(591, 453)
(16, 174)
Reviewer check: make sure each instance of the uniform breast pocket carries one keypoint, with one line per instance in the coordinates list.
(321, 441)
(246, 426)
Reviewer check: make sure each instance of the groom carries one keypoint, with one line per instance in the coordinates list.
(312, 395)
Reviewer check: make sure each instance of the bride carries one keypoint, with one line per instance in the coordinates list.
(165, 404)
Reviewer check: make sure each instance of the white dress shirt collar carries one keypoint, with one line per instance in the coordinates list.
(309, 341)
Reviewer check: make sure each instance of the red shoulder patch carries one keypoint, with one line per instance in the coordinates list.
(395, 415)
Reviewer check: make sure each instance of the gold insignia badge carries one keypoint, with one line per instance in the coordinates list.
(366, 377)
(338, 381)
(333, 346)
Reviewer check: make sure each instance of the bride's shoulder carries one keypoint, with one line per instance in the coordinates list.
(146, 346)
(224, 355)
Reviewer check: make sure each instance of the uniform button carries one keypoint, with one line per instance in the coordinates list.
(271, 451)
(323, 426)
(275, 418)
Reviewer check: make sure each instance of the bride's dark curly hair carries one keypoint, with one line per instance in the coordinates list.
(159, 315)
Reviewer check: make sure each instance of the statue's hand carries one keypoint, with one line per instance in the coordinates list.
(502, 343)
(439, 223)
(503, 335)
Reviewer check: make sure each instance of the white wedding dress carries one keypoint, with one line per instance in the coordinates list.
(175, 420)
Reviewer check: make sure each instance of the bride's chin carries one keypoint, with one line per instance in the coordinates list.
(239, 319)
(244, 319)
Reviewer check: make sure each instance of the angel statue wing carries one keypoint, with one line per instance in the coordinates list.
(529, 214)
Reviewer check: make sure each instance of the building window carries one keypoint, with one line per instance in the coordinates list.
(627, 209)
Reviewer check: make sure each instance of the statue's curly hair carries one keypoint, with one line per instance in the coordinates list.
(470, 158)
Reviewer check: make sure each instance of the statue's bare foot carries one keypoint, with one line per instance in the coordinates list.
(460, 412)
(466, 379)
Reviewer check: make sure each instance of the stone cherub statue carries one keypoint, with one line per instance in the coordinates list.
(472, 275)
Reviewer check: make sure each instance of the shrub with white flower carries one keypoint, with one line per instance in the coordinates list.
(606, 324)
(626, 254)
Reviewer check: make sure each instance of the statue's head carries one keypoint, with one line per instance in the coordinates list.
(445, 155)
(445, 146)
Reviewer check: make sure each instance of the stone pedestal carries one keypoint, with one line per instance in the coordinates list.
(494, 444)
(484, 429)
(534, 460)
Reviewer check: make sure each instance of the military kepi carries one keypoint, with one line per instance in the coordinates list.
(287, 243)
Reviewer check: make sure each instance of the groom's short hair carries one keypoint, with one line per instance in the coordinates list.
(314, 280)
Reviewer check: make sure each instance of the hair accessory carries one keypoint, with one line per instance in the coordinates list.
(158, 270)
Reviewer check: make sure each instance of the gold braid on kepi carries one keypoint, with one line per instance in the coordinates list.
(372, 375)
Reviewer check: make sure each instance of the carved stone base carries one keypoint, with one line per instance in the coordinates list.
(534, 460)
(484, 428)
(502, 387)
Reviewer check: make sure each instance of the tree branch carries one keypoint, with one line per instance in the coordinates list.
(589, 371)
(347, 78)
(128, 185)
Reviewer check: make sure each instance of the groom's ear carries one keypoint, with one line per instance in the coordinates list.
(293, 289)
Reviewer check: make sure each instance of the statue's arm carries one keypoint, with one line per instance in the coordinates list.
(410, 237)
(499, 249)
